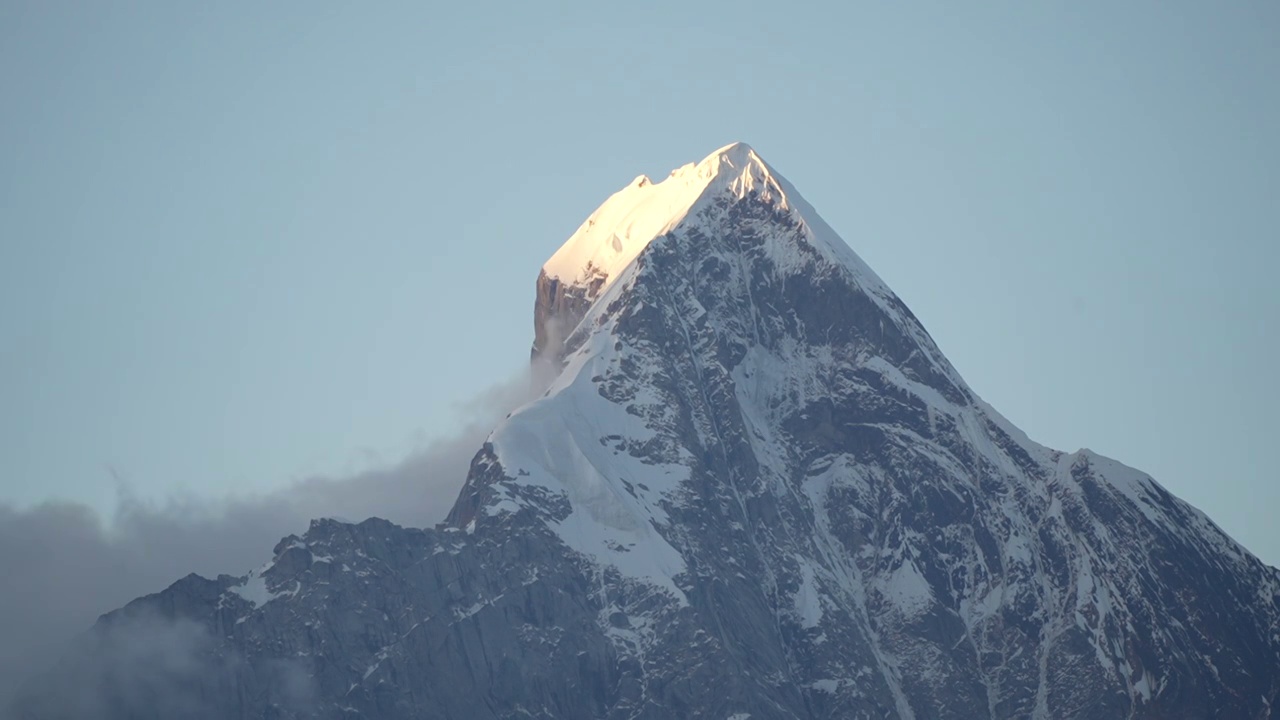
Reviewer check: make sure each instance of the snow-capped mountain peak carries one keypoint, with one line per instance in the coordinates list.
(753, 488)
(739, 371)
(632, 217)
(693, 196)
(736, 168)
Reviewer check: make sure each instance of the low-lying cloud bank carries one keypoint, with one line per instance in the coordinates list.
(170, 668)
(63, 565)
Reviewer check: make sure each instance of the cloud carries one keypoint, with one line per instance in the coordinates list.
(174, 667)
(64, 565)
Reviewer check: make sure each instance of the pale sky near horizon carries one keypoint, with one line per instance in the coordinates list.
(244, 243)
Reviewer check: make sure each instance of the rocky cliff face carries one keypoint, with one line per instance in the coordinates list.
(755, 488)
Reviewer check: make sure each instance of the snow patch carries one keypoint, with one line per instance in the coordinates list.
(826, 685)
(907, 589)
(254, 588)
(808, 603)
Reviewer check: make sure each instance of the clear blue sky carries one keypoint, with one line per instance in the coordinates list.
(242, 243)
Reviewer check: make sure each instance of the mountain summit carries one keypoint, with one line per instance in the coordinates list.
(754, 488)
(627, 222)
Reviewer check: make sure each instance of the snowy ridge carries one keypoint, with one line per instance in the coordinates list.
(615, 497)
(631, 218)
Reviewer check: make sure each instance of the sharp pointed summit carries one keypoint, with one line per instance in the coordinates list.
(613, 237)
(754, 488)
(625, 224)
(633, 217)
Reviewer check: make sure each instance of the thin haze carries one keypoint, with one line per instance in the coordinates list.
(64, 566)
(242, 245)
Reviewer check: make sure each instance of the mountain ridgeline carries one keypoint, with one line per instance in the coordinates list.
(754, 488)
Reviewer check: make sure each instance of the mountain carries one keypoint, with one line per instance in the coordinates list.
(754, 488)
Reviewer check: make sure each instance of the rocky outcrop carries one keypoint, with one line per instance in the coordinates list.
(557, 309)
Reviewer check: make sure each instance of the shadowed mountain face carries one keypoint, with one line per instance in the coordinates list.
(754, 488)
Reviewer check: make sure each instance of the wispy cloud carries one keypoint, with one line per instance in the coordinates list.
(167, 665)
(64, 565)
